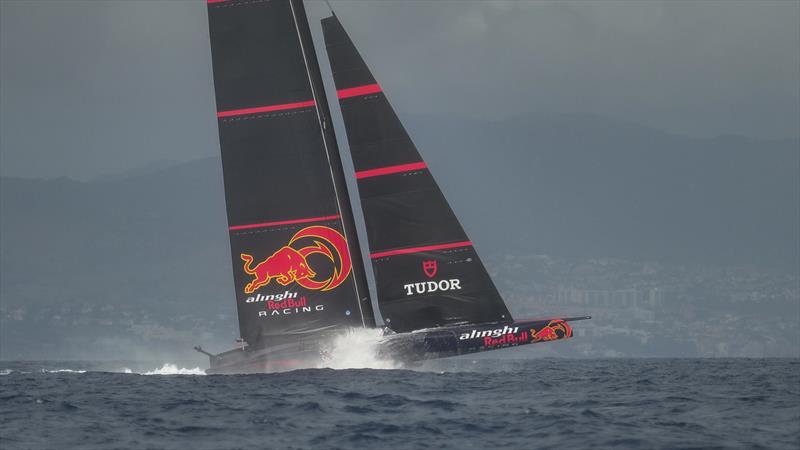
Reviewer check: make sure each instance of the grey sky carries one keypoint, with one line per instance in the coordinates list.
(92, 87)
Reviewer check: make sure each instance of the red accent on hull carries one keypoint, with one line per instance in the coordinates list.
(403, 251)
(390, 170)
(283, 222)
(263, 109)
(359, 90)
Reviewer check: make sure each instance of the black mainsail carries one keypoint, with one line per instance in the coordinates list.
(296, 260)
(426, 269)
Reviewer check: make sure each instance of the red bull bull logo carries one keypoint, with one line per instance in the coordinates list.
(556, 329)
(290, 263)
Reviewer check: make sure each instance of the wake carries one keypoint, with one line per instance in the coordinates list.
(353, 349)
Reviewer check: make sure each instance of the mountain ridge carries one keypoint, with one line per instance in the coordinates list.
(149, 253)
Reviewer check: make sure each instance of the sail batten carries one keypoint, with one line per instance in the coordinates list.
(388, 170)
(427, 248)
(283, 222)
(263, 109)
(366, 89)
(426, 270)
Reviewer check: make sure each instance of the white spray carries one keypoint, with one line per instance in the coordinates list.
(172, 369)
(357, 349)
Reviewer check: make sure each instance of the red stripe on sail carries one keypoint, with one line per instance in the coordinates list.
(390, 170)
(283, 222)
(216, 1)
(359, 90)
(262, 109)
(403, 251)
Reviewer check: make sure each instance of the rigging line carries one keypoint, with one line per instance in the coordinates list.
(322, 128)
(330, 7)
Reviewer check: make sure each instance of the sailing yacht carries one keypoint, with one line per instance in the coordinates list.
(299, 275)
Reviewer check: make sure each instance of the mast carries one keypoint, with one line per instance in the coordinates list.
(334, 161)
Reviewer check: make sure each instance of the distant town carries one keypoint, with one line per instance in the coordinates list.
(656, 309)
(637, 309)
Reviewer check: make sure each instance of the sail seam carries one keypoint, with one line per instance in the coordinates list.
(377, 142)
(229, 3)
(266, 116)
(404, 251)
(283, 222)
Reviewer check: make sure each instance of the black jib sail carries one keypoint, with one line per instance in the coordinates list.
(426, 269)
(291, 227)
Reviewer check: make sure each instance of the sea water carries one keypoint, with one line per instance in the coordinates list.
(449, 404)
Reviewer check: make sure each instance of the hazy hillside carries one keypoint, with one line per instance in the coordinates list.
(143, 260)
(585, 185)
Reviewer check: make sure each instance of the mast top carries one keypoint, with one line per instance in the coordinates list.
(333, 13)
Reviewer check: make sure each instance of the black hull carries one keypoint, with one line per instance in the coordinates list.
(243, 361)
(403, 348)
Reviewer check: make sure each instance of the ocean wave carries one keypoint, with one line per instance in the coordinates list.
(559, 403)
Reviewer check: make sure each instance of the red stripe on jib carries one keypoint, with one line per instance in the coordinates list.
(404, 251)
(282, 222)
(217, 1)
(263, 109)
(390, 170)
(359, 90)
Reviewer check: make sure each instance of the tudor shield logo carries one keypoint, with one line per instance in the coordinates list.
(430, 268)
(289, 264)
